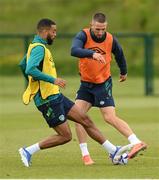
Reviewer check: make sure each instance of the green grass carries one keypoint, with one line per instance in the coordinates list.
(23, 125)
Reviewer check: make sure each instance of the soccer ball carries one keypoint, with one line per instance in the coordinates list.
(121, 160)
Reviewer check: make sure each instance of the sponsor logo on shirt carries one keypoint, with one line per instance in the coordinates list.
(98, 50)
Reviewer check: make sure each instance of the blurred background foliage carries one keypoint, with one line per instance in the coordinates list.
(21, 17)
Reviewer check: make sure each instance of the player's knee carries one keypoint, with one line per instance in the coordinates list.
(67, 137)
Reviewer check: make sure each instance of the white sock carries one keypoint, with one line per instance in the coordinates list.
(109, 147)
(84, 149)
(33, 148)
(133, 139)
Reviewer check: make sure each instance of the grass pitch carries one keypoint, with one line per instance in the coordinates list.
(23, 125)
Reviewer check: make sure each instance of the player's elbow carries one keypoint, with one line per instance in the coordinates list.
(27, 71)
(74, 51)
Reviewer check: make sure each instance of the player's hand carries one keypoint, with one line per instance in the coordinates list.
(60, 82)
(98, 57)
(122, 78)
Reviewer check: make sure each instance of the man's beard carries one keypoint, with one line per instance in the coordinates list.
(98, 37)
(49, 40)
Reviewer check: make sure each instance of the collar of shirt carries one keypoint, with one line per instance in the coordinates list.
(38, 39)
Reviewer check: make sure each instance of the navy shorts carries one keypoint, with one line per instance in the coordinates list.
(99, 95)
(55, 111)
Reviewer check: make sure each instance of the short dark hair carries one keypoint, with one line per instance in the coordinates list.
(45, 23)
(99, 17)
